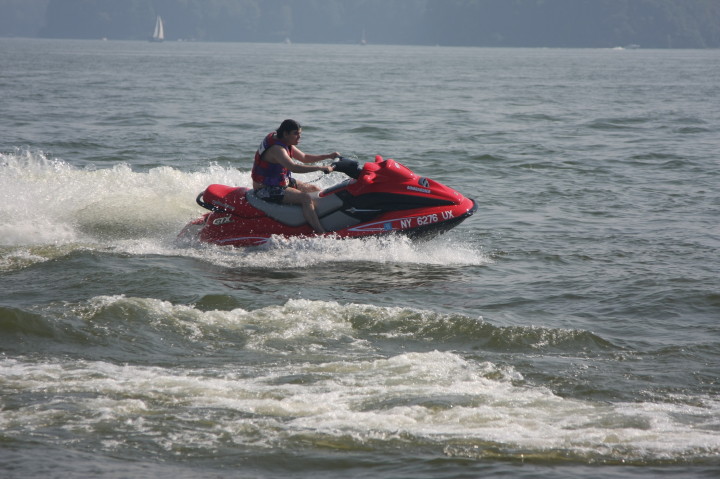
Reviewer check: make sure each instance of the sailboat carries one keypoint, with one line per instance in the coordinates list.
(159, 33)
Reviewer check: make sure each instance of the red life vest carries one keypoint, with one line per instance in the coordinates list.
(271, 174)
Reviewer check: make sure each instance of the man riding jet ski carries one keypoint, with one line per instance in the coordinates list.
(379, 198)
(273, 167)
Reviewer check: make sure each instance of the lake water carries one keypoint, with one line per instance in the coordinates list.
(570, 328)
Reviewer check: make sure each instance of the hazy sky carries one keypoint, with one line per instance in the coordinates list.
(571, 23)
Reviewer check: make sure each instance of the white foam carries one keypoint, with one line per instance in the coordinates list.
(48, 201)
(464, 406)
(437, 397)
(297, 252)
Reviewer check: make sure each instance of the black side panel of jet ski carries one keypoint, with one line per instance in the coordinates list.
(371, 204)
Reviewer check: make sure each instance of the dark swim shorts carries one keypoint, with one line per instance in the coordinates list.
(271, 194)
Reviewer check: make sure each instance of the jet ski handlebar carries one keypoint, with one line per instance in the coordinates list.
(349, 167)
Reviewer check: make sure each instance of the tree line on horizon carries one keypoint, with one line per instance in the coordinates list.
(491, 23)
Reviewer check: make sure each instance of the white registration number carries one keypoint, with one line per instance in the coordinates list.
(426, 220)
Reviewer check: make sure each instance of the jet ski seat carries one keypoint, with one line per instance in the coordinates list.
(292, 215)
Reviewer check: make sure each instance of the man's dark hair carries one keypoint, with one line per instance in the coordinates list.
(287, 126)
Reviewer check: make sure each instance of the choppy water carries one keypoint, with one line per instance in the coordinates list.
(570, 328)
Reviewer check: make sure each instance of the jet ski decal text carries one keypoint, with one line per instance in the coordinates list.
(421, 190)
(223, 220)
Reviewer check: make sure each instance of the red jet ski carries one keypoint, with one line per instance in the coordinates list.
(379, 198)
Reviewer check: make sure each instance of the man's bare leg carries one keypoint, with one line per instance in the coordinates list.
(296, 197)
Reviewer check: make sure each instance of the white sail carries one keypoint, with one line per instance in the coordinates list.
(159, 33)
